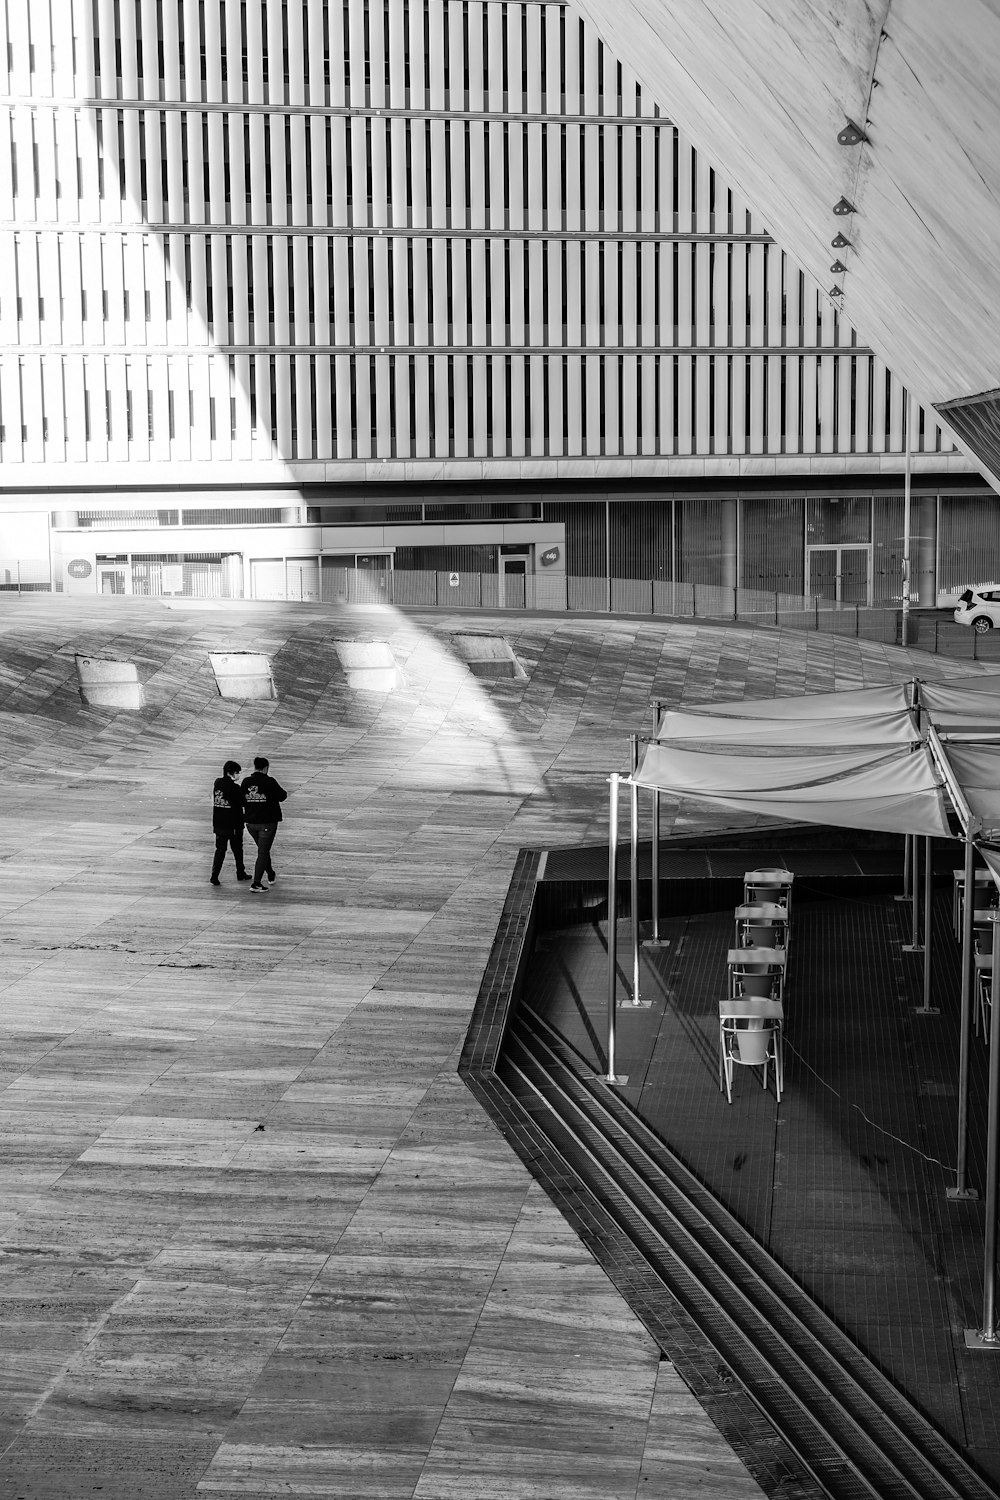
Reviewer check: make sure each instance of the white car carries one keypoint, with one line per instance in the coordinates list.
(979, 607)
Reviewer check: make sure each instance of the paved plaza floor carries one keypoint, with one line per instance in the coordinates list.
(257, 1237)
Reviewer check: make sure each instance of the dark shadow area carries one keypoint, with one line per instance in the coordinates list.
(841, 1187)
(845, 1182)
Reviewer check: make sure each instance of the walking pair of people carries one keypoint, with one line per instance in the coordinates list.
(255, 802)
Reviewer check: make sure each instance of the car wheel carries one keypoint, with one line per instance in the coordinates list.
(981, 624)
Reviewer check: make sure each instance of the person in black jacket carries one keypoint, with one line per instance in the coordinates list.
(262, 799)
(227, 821)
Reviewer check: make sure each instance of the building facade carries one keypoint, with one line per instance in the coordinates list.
(292, 287)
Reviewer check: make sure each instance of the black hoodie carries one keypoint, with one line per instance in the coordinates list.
(262, 798)
(227, 804)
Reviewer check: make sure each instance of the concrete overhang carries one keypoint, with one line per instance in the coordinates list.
(768, 90)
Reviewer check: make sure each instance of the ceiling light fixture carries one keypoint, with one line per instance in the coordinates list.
(851, 135)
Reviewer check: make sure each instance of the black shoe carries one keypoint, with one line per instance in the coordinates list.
(216, 880)
(258, 887)
(244, 876)
(271, 876)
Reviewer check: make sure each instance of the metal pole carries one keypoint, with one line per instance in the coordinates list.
(607, 544)
(655, 868)
(673, 556)
(986, 1337)
(907, 874)
(961, 1188)
(611, 1076)
(927, 1009)
(637, 1000)
(633, 808)
(914, 946)
(906, 522)
(654, 940)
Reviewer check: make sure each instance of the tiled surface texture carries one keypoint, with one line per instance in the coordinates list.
(258, 1238)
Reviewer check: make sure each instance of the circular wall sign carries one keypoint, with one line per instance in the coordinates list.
(79, 568)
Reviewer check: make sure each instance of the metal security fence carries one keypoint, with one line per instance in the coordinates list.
(212, 577)
(927, 630)
(25, 575)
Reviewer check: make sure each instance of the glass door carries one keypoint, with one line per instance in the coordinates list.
(112, 578)
(840, 574)
(854, 570)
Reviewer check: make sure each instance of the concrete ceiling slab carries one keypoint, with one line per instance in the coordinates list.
(765, 87)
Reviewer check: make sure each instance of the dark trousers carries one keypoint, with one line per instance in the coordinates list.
(263, 836)
(228, 838)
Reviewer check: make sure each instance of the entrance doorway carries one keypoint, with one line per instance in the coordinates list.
(371, 577)
(841, 574)
(513, 581)
(112, 578)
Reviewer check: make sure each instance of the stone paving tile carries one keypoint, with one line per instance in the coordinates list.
(257, 1237)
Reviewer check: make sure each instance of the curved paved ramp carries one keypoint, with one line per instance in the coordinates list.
(258, 1239)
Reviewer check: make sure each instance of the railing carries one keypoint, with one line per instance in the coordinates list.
(927, 630)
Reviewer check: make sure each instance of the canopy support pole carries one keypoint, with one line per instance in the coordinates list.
(985, 1338)
(914, 945)
(961, 1190)
(611, 1076)
(907, 872)
(904, 624)
(654, 940)
(637, 1001)
(927, 1009)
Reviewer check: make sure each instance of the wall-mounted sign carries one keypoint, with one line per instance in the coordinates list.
(172, 578)
(549, 556)
(454, 580)
(79, 568)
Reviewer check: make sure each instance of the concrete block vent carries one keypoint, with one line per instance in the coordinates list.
(488, 656)
(369, 666)
(243, 675)
(105, 683)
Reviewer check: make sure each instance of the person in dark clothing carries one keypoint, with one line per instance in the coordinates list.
(262, 799)
(227, 821)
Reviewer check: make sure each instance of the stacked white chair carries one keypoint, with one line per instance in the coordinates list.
(772, 885)
(752, 1017)
(750, 1035)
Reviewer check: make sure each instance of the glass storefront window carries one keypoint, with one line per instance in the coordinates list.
(771, 543)
(844, 518)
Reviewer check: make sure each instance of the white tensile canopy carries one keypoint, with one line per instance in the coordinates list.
(921, 760)
(871, 758)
